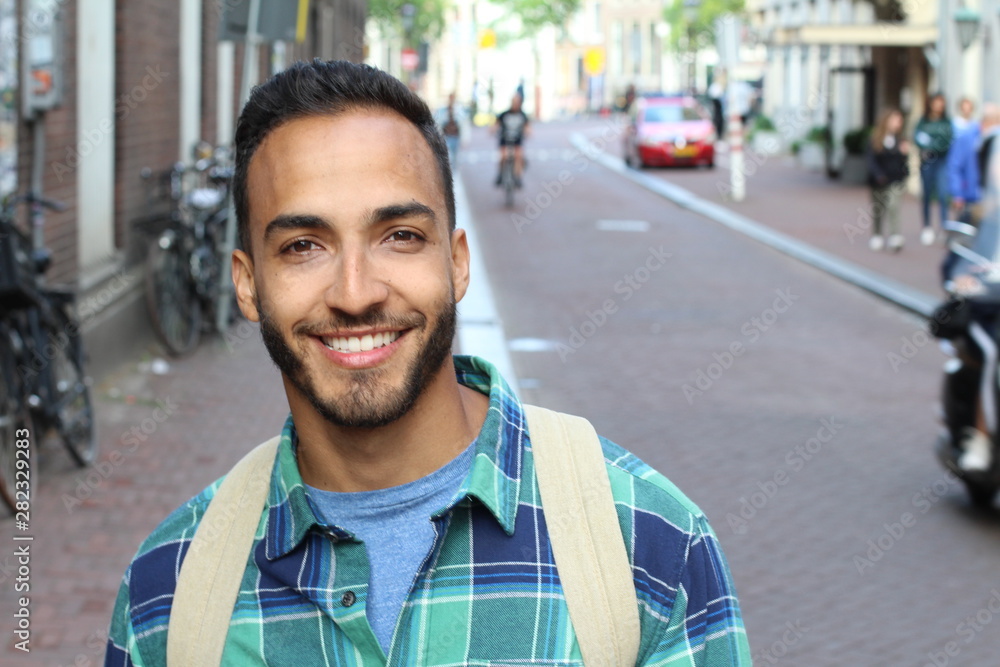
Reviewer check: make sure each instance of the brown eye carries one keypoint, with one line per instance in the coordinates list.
(405, 236)
(300, 246)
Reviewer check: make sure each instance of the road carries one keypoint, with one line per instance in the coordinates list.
(797, 411)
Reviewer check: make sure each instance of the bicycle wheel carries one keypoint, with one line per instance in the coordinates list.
(508, 182)
(173, 304)
(13, 417)
(71, 406)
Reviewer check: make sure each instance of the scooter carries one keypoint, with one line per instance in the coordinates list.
(972, 279)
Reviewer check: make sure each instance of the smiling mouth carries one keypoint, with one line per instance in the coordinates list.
(365, 343)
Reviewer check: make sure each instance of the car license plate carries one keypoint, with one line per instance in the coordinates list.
(687, 151)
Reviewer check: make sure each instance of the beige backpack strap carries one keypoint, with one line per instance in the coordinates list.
(586, 537)
(212, 571)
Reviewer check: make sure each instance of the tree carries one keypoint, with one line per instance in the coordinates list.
(690, 36)
(427, 18)
(537, 14)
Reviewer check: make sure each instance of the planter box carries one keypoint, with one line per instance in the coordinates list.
(812, 156)
(854, 170)
(766, 143)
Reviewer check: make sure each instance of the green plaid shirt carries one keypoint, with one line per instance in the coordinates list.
(488, 593)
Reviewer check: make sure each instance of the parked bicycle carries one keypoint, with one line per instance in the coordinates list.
(45, 386)
(184, 266)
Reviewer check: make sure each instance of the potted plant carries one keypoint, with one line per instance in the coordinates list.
(854, 169)
(764, 137)
(812, 152)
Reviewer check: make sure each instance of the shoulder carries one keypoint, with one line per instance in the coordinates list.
(635, 481)
(152, 575)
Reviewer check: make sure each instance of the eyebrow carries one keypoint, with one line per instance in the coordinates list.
(375, 217)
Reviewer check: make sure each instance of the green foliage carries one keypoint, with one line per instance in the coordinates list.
(856, 141)
(762, 123)
(536, 14)
(820, 134)
(698, 34)
(796, 147)
(428, 18)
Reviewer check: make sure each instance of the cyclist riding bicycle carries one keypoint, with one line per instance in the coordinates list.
(512, 126)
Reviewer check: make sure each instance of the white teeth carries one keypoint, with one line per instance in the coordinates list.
(361, 344)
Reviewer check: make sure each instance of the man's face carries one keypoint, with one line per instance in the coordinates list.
(354, 275)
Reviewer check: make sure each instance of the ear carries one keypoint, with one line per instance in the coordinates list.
(246, 290)
(459, 263)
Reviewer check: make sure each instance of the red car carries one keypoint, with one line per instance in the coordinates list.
(669, 131)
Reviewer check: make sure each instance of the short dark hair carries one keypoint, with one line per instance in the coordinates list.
(327, 88)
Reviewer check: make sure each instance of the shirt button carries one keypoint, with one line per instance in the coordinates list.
(348, 599)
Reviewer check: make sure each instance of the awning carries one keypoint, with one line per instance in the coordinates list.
(879, 34)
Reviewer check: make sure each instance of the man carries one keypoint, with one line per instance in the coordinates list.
(402, 525)
(512, 126)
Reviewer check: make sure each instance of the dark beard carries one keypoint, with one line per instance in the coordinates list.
(365, 406)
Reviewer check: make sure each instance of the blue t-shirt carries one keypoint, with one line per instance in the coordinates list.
(395, 526)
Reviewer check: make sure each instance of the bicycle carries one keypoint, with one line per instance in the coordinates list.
(41, 355)
(507, 180)
(184, 266)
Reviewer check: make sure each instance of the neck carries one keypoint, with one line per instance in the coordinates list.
(442, 423)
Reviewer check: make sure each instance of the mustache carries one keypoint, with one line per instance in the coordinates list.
(373, 319)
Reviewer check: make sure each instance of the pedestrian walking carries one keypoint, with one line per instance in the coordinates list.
(412, 511)
(989, 129)
(450, 120)
(963, 165)
(887, 156)
(933, 136)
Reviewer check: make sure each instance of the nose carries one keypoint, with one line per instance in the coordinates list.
(357, 285)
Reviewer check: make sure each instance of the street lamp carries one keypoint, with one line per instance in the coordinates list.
(967, 22)
(407, 12)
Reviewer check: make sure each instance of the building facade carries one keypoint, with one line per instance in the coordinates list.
(140, 83)
(838, 63)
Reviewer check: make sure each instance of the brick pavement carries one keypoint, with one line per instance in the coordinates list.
(826, 358)
(213, 406)
(824, 213)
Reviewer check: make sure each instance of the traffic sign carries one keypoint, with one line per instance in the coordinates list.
(410, 60)
(594, 60)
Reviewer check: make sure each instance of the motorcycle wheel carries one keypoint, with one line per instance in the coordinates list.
(980, 494)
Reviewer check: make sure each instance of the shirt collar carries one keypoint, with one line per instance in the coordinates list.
(494, 480)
